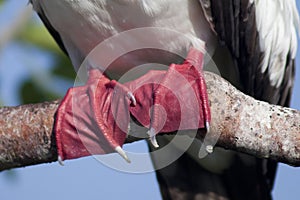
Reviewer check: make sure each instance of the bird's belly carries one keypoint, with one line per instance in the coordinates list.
(83, 25)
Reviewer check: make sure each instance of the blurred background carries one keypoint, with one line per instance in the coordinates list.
(33, 69)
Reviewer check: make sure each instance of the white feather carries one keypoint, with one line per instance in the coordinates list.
(277, 22)
(84, 24)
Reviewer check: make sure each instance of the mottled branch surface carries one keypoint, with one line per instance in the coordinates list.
(239, 122)
(26, 135)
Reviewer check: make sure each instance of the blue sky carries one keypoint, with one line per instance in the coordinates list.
(86, 178)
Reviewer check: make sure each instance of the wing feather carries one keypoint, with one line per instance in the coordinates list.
(261, 36)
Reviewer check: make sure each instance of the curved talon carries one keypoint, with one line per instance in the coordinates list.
(60, 161)
(154, 141)
(152, 137)
(132, 98)
(209, 149)
(207, 125)
(122, 153)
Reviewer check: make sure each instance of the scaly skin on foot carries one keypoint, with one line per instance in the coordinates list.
(93, 119)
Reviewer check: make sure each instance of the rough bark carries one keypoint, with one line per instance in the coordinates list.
(26, 136)
(239, 122)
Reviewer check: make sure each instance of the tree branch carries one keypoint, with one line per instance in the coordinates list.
(239, 122)
(26, 136)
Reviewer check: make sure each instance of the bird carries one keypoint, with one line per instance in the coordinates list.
(253, 43)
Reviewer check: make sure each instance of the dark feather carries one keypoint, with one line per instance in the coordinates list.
(235, 23)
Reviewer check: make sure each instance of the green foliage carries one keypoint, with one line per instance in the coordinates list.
(37, 35)
(32, 93)
(35, 88)
(64, 68)
(1, 3)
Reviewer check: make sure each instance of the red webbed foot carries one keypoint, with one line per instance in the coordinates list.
(172, 100)
(94, 119)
